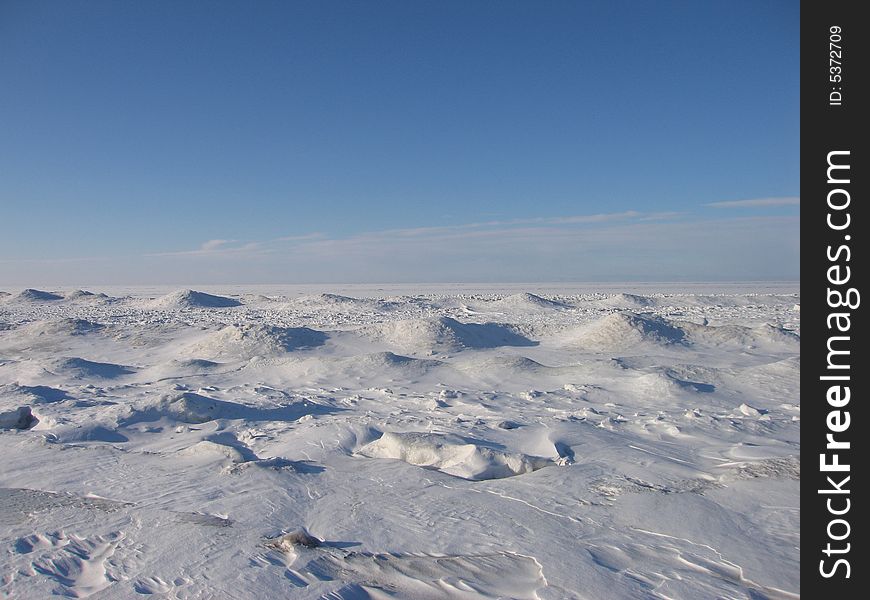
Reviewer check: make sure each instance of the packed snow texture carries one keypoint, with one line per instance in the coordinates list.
(432, 442)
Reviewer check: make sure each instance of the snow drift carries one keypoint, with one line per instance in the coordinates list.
(246, 341)
(741, 336)
(453, 455)
(625, 330)
(62, 327)
(79, 368)
(193, 299)
(85, 296)
(625, 302)
(444, 334)
(31, 295)
(526, 301)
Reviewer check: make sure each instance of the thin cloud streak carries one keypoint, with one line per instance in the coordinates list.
(214, 248)
(618, 247)
(757, 202)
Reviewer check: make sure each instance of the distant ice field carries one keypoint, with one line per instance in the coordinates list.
(458, 441)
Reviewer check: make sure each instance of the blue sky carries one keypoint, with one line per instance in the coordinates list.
(282, 142)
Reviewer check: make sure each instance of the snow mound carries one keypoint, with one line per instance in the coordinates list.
(207, 448)
(193, 299)
(63, 327)
(173, 368)
(508, 364)
(626, 301)
(624, 330)
(32, 394)
(333, 300)
(298, 537)
(187, 407)
(738, 335)
(79, 368)
(20, 418)
(528, 301)
(444, 334)
(377, 362)
(666, 384)
(376, 368)
(88, 432)
(190, 407)
(339, 302)
(247, 341)
(750, 411)
(31, 295)
(85, 295)
(453, 455)
(191, 364)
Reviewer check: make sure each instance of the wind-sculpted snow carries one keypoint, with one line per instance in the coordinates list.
(625, 331)
(740, 336)
(468, 459)
(339, 302)
(61, 327)
(193, 299)
(79, 368)
(189, 407)
(32, 295)
(20, 418)
(86, 296)
(244, 341)
(386, 442)
(526, 301)
(32, 394)
(627, 302)
(444, 334)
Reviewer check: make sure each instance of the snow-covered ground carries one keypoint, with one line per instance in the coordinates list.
(436, 442)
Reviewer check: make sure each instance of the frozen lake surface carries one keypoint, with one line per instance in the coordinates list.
(441, 441)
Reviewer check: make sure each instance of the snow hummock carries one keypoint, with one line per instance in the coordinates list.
(453, 455)
(738, 335)
(192, 407)
(76, 368)
(526, 300)
(33, 394)
(444, 334)
(193, 299)
(626, 301)
(62, 327)
(244, 341)
(20, 418)
(625, 330)
(335, 300)
(298, 537)
(32, 295)
(84, 295)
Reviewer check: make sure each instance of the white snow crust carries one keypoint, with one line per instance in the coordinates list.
(422, 442)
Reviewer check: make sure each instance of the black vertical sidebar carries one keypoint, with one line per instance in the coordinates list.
(835, 385)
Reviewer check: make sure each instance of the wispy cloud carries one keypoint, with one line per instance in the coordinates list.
(233, 248)
(627, 215)
(757, 202)
(212, 245)
(628, 246)
(300, 238)
(212, 248)
(237, 248)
